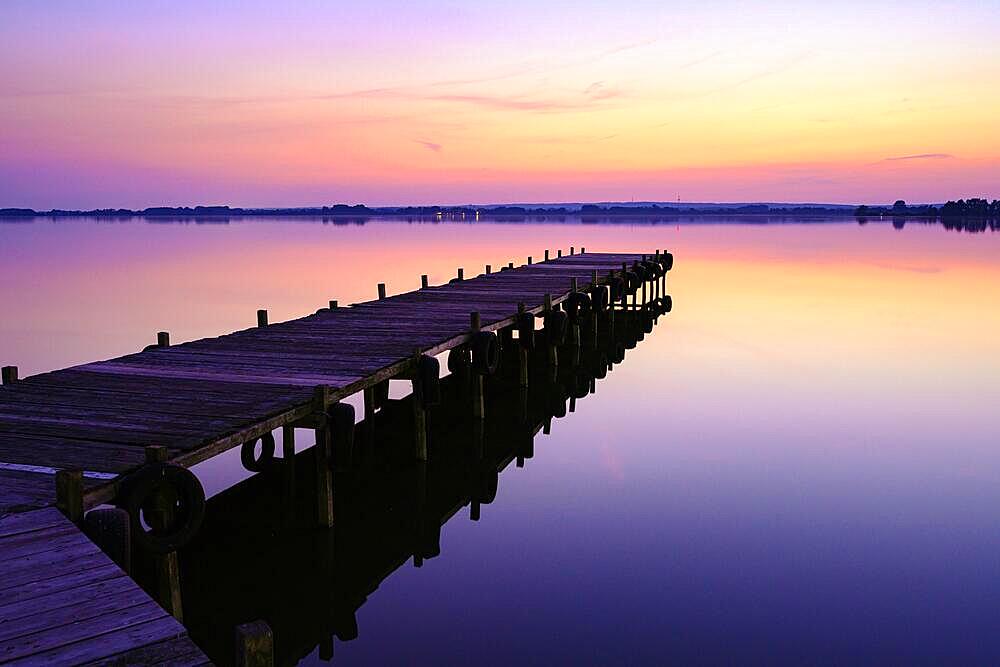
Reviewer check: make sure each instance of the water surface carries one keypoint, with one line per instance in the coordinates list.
(798, 464)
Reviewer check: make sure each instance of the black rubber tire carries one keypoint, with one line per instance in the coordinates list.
(248, 453)
(459, 360)
(599, 298)
(429, 374)
(617, 286)
(577, 305)
(556, 323)
(485, 353)
(667, 261)
(189, 511)
(526, 330)
(632, 282)
(668, 303)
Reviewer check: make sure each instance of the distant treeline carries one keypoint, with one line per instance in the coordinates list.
(467, 212)
(963, 208)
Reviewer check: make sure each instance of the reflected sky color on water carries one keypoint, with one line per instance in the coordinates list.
(799, 463)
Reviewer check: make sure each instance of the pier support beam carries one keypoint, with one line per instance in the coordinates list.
(419, 413)
(254, 645)
(478, 399)
(166, 569)
(324, 474)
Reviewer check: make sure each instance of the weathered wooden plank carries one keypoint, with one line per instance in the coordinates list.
(26, 522)
(177, 652)
(96, 639)
(67, 608)
(60, 582)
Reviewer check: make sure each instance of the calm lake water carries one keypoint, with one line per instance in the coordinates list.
(800, 464)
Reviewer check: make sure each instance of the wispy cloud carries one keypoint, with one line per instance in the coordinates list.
(429, 145)
(921, 156)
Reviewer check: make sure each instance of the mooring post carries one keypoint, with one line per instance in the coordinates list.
(423, 281)
(582, 250)
(324, 475)
(110, 529)
(369, 397)
(529, 260)
(254, 645)
(166, 569)
(381, 291)
(333, 304)
(522, 352)
(553, 348)
(461, 274)
(510, 265)
(419, 414)
(571, 250)
(644, 299)
(8, 374)
(262, 318)
(611, 308)
(546, 255)
(163, 339)
(574, 330)
(69, 493)
(489, 269)
(478, 402)
(593, 311)
(559, 253)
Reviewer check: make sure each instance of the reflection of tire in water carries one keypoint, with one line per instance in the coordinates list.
(248, 453)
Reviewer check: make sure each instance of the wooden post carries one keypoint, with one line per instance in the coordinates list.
(461, 274)
(324, 476)
(8, 375)
(381, 291)
(262, 318)
(574, 327)
(419, 414)
(571, 249)
(559, 253)
(510, 265)
(553, 349)
(333, 304)
(522, 353)
(611, 309)
(529, 260)
(582, 250)
(254, 645)
(478, 402)
(69, 493)
(489, 269)
(546, 255)
(110, 529)
(166, 569)
(163, 339)
(288, 464)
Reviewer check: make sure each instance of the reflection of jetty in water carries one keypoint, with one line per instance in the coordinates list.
(260, 557)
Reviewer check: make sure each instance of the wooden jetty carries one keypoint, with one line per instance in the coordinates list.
(125, 430)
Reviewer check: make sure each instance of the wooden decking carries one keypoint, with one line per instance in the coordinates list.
(203, 397)
(61, 599)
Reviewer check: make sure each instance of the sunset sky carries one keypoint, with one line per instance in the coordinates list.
(106, 104)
